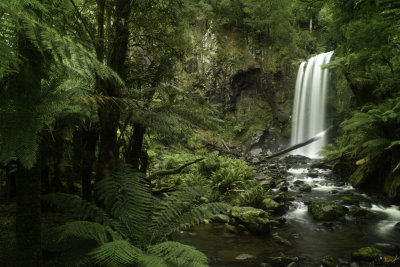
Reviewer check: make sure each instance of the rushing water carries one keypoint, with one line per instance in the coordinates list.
(311, 240)
(309, 106)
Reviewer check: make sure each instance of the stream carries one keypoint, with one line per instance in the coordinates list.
(311, 240)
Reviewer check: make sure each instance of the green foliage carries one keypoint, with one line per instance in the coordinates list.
(252, 196)
(134, 226)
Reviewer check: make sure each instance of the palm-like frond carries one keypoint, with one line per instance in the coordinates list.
(126, 196)
(116, 253)
(183, 209)
(140, 220)
(87, 230)
(178, 254)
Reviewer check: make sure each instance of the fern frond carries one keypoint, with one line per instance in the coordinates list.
(115, 254)
(179, 254)
(87, 230)
(149, 260)
(183, 209)
(126, 195)
(82, 208)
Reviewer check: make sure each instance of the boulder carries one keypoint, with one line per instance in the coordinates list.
(305, 188)
(327, 261)
(362, 213)
(220, 218)
(273, 206)
(282, 261)
(255, 220)
(326, 211)
(350, 200)
(366, 254)
(281, 241)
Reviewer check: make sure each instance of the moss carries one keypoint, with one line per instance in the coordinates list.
(350, 200)
(305, 188)
(327, 211)
(270, 204)
(361, 175)
(327, 261)
(366, 253)
(362, 213)
(282, 241)
(255, 220)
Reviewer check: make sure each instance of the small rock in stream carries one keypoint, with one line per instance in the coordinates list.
(244, 256)
(281, 241)
(396, 227)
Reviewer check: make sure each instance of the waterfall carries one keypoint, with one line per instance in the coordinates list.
(308, 118)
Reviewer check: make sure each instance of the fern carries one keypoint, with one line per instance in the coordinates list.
(133, 223)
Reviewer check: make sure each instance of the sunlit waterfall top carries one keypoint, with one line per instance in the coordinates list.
(309, 107)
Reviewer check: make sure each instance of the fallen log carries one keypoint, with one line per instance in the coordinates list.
(174, 171)
(309, 141)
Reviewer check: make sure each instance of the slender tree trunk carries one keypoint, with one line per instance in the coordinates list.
(85, 141)
(28, 215)
(109, 113)
(135, 147)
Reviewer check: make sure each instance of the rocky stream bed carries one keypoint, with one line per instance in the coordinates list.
(312, 218)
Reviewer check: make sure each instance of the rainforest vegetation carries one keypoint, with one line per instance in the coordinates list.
(123, 122)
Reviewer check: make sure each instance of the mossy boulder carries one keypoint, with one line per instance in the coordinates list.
(362, 213)
(281, 241)
(328, 261)
(305, 188)
(350, 200)
(326, 211)
(366, 254)
(282, 261)
(255, 220)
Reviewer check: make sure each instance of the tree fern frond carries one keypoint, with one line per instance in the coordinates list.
(183, 209)
(80, 207)
(115, 254)
(179, 254)
(126, 195)
(149, 260)
(87, 230)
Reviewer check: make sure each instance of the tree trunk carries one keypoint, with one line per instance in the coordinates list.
(134, 151)
(85, 141)
(109, 113)
(28, 216)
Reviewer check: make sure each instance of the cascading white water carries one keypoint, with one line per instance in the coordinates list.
(308, 118)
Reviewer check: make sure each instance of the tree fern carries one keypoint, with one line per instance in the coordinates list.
(131, 228)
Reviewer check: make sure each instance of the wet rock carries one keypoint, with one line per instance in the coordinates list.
(255, 161)
(305, 188)
(281, 241)
(365, 254)
(298, 182)
(327, 261)
(270, 204)
(396, 227)
(334, 192)
(256, 152)
(284, 188)
(244, 256)
(282, 261)
(293, 264)
(313, 174)
(350, 200)
(326, 211)
(362, 213)
(220, 218)
(255, 220)
(283, 197)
